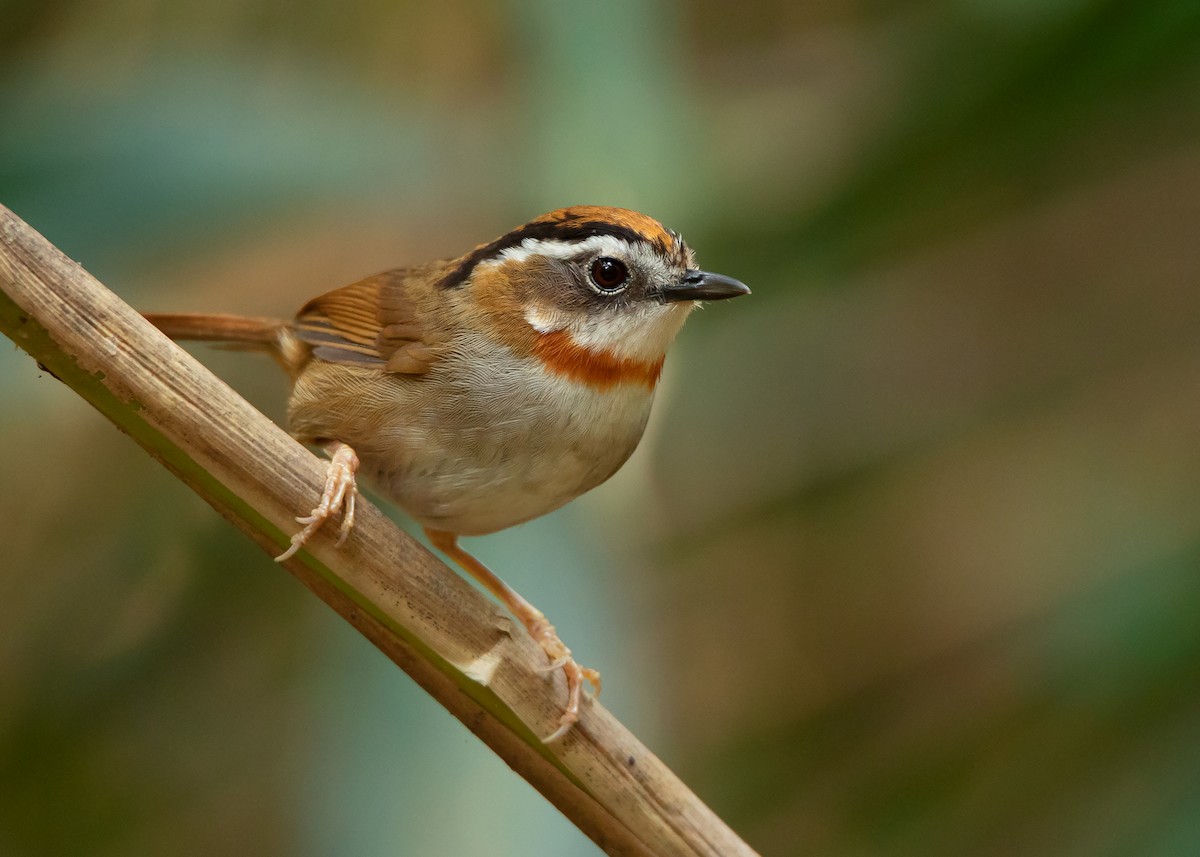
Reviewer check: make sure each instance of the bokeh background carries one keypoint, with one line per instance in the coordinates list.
(909, 562)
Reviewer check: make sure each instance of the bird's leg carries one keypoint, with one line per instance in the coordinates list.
(533, 620)
(338, 496)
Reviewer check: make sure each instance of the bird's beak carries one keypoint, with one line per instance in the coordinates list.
(703, 286)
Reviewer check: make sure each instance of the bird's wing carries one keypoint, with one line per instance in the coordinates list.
(374, 322)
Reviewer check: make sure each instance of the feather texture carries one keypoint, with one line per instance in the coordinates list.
(374, 322)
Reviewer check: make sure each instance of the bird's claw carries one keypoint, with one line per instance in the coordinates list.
(340, 490)
(560, 658)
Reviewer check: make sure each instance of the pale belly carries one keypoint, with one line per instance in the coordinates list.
(485, 451)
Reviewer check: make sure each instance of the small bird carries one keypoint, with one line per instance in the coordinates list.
(480, 392)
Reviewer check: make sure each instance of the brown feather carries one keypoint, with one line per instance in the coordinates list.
(217, 327)
(374, 322)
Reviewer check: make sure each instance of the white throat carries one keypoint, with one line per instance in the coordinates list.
(641, 332)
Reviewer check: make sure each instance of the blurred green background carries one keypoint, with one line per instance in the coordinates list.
(908, 562)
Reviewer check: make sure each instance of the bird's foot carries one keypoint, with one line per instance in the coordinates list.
(560, 658)
(338, 496)
(535, 623)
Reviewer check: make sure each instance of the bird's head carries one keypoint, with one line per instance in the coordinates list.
(596, 293)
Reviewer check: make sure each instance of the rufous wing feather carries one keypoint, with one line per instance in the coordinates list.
(374, 322)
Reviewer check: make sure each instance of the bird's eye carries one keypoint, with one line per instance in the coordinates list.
(609, 274)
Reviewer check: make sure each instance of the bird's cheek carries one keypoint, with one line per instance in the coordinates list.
(544, 320)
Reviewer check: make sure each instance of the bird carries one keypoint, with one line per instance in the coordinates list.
(480, 392)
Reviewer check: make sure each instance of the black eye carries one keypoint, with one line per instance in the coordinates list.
(608, 274)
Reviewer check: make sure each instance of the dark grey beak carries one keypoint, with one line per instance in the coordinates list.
(703, 286)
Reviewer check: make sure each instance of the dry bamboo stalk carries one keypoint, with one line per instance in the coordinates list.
(464, 650)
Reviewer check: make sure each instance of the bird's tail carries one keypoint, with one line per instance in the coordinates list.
(239, 330)
(242, 333)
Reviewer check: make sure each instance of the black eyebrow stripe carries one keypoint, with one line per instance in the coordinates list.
(561, 230)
